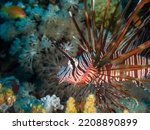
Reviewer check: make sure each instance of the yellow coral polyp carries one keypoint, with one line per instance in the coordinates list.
(70, 108)
(90, 104)
(90, 98)
(38, 109)
(9, 97)
(10, 100)
(6, 96)
(8, 93)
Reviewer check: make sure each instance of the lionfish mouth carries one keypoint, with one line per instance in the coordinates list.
(114, 61)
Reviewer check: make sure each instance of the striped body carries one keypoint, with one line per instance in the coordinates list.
(82, 70)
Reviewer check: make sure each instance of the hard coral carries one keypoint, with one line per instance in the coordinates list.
(51, 103)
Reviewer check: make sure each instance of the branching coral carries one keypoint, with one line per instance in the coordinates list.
(51, 103)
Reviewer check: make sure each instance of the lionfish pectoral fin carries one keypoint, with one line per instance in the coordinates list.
(130, 53)
(124, 67)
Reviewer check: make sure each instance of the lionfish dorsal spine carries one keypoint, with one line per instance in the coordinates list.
(84, 43)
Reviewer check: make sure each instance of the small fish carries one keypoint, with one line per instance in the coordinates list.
(14, 11)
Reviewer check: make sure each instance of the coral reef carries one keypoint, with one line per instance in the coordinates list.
(40, 39)
(16, 97)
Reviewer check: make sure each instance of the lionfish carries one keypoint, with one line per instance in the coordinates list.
(104, 64)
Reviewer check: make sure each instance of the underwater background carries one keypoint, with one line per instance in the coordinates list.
(29, 61)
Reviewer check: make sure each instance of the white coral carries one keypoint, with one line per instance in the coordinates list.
(27, 57)
(51, 103)
(46, 44)
(70, 48)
